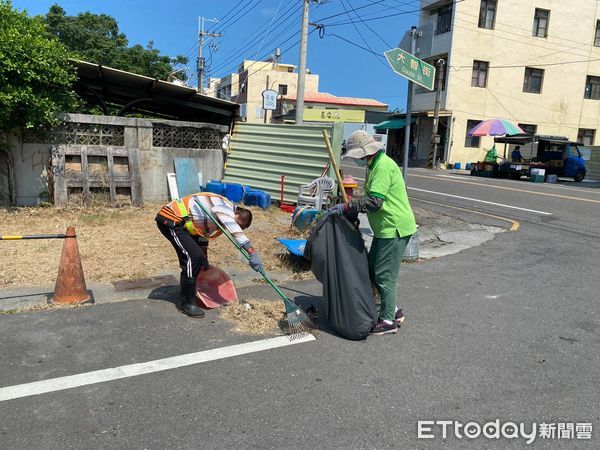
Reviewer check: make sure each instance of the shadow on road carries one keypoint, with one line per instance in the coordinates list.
(165, 293)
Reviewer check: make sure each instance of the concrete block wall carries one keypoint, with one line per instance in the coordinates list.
(31, 159)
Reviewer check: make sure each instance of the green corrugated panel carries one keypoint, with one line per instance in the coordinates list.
(259, 154)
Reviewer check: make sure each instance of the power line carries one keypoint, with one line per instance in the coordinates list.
(458, 68)
(528, 30)
(253, 39)
(240, 16)
(282, 52)
(375, 32)
(239, 12)
(369, 19)
(228, 12)
(358, 31)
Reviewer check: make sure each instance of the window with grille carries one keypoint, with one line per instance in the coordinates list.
(185, 137)
(480, 73)
(533, 80)
(597, 36)
(592, 88)
(472, 141)
(78, 134)
(586, 136)
(487, 14)
(540, 22)
(282, 89)
(444, 20)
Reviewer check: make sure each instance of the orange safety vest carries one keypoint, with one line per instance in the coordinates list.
(178, 211)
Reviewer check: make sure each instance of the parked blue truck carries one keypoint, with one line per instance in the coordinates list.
(556, 155)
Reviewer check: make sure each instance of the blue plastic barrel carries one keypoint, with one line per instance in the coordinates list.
(264, 200)
(468, 166)
(215, 186)
(234, 192)
(251, 198)
(456, 166)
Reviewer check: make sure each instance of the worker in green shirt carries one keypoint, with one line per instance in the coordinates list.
(391, 219)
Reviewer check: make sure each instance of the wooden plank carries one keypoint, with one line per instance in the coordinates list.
(186, 172)
(58, 173)
(136, 178)
(85, 177)
(111, 177)
(74, 179)
(172, 182)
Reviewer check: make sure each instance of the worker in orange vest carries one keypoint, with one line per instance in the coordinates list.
(188, 228)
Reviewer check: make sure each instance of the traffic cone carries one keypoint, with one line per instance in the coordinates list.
(70, 283)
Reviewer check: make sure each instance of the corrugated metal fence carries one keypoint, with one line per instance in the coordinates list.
(259, 154)
(593, 165)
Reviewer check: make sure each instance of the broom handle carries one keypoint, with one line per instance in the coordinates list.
(335, 167)
(240, 249)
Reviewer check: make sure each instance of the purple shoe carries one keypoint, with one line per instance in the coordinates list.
(383, 328)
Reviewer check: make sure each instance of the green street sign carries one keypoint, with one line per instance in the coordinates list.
(411, 67)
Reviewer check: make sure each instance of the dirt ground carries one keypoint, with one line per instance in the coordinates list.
(125, 244)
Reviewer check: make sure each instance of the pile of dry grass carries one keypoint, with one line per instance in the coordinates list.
(122, 244)
(259, 317)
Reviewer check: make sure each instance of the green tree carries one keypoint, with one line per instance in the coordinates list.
(35, 74)
(96, 38)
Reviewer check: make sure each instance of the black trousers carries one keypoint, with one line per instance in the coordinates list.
(189, 251)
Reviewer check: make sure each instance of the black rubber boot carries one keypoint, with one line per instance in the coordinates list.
(187, 298)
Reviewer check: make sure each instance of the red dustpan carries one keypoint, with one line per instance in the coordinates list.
(214, 288)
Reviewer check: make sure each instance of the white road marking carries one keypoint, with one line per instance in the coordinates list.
(481, 201)
(133, 370)
(482, 181)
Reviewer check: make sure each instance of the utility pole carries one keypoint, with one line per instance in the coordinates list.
(413, 47)
(302, 64)
(201, 34)
(435, 137)
(266, 110)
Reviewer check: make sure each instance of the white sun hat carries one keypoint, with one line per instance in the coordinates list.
(361, 144)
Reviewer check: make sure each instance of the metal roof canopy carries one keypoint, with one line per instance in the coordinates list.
(100, 85)
(528, 138)
(393, 124)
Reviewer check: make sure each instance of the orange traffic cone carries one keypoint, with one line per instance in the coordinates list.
(70, 283)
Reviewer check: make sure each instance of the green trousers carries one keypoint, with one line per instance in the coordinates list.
(385, 257)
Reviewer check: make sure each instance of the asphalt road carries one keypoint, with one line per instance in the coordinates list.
(507, 331)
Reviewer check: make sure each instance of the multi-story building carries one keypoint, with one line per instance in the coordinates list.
(246, 86)
(534, 63)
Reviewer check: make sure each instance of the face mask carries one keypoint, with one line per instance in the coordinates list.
(361, 162)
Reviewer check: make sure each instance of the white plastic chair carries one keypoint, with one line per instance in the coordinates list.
(316, 193)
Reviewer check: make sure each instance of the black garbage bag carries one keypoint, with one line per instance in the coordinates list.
(339, 261)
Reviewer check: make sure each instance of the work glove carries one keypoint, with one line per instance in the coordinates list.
(256, 263)
(336, 210)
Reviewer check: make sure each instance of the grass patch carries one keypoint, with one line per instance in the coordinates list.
(124, 244)
(42, 307)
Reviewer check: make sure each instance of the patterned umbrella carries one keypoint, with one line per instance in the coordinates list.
(495, 127)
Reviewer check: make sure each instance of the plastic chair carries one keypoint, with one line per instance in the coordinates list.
(316, 193)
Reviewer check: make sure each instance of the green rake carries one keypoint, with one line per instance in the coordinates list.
(299, 324)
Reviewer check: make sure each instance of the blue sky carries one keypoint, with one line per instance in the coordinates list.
(344, 69)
